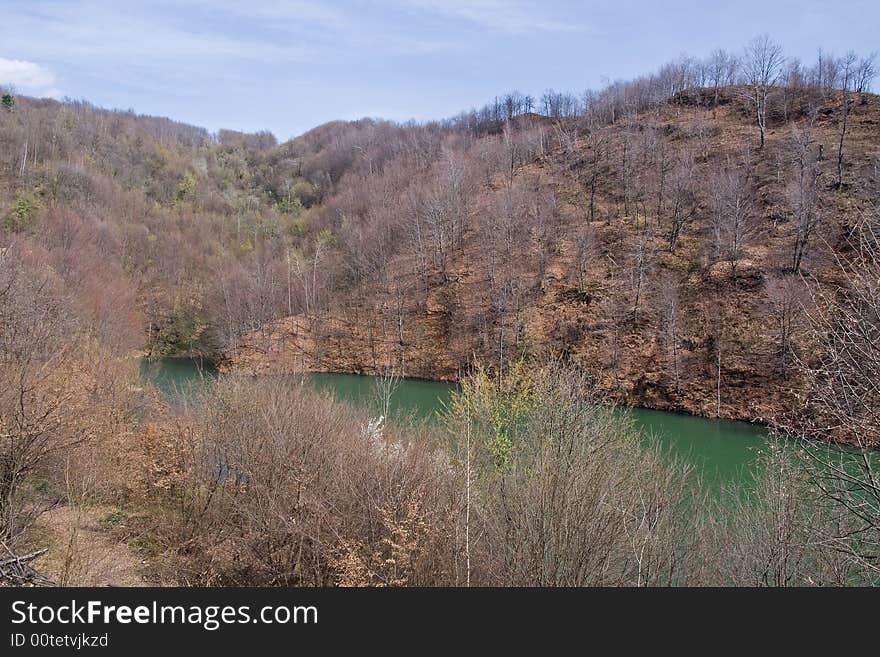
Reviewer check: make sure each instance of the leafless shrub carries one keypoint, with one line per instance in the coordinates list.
(842, 400)
(285, 486)
(563, 492)
(772, 532)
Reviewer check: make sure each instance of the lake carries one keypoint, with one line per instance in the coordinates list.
(722, 450)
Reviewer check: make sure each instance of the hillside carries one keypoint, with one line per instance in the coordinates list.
(503, 264)
(649, 238)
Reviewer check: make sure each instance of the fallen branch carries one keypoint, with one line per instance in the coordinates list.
(17, 569)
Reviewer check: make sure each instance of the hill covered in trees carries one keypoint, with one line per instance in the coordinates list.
(677, 234)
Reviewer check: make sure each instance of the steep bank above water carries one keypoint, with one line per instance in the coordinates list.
(288, 346)
(537, 265)
(350, 346)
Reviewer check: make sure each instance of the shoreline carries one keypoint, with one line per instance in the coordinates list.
(223, 366)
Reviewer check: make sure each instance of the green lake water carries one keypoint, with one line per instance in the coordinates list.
(721, 450)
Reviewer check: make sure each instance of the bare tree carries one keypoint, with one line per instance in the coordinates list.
(846, 376)
(865, 73)
(804, 193)
(596, 146)
(842, 401)
(641, 263)
(848, 67)
(733, 214)
(585, 254)
(42, 411)
(384, 388)
(284, 486)
(682, 206)
(774, 533)
(762, 64)
(787, 298)
(670, 318)
(721, 68)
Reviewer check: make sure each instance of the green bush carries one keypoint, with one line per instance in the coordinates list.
(185, 188)
(291, 205)
(20, 217)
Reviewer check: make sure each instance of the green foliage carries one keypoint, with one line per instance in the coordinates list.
(179, 334)
(326, 238)
(298, 227)
(306, 192)
(41, 484)
(498, 408)
(115, 517)
(186, 188)
(8, 102)
(291, 205)
(21, 215)
(160, 160)
(146, 547)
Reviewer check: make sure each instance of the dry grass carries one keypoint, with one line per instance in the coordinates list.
(85, 548)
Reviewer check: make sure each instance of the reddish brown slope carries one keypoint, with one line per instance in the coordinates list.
(494, 303)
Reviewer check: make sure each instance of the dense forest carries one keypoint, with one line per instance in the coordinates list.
(703, 239)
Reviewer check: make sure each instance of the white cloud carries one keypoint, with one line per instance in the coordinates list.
(152, 33)
(28, 78)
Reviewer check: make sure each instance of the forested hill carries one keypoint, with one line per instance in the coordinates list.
(666, 251)
(678, 234)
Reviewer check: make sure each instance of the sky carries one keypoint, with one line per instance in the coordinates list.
(289, 65)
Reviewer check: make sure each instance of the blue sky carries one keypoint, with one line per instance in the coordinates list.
(288, 66)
